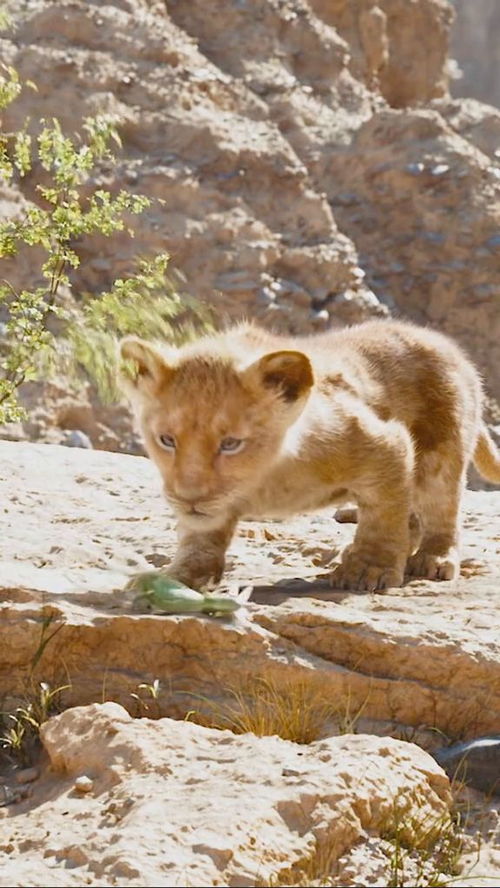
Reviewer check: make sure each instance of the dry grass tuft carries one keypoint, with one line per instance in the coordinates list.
(296, 711)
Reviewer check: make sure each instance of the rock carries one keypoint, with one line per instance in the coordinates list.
(383, 34)
(76, 438)
(84, 784)
(10, 796)
(205, 143)
(416, 159)
(27, 775)
(58, 413)
(476, 763)
(170, 798)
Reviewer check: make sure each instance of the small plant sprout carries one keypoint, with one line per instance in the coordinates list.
(20, 738)
(147, 699)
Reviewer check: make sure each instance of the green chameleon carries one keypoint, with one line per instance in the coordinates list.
(158, 592)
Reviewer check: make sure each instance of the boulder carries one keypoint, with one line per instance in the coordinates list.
(168, 802)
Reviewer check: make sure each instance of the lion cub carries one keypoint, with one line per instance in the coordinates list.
(245, 423)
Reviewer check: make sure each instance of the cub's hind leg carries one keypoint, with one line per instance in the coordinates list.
(439, 488)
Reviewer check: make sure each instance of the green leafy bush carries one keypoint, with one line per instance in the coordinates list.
(69, 208)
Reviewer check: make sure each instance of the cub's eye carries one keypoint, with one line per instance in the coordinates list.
(231, 445)
(167, 442)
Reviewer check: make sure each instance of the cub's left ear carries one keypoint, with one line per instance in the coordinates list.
(289, 372)
(144, 368)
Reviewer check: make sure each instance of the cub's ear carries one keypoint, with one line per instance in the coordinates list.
(289, 372)
(143, 367)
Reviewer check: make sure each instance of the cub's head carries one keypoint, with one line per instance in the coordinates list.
(212, 427)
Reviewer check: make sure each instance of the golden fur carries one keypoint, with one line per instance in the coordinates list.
(385, 414)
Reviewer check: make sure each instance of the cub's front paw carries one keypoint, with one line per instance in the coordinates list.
(358, 573)
(197, 573)
(433, 567)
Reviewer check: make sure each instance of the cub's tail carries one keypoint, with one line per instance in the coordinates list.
(487, 457)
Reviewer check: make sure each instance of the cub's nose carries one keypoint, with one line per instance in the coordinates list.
(192, 503)
(191, 492)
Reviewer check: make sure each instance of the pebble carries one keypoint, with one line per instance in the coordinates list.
(320, 316)
(440, 169)
(84, 784)
(76, 438)
(27, 775)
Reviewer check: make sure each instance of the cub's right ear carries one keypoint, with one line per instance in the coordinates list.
(143, 368)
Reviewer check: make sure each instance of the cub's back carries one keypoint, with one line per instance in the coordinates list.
(412, 374)
(403, 371)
